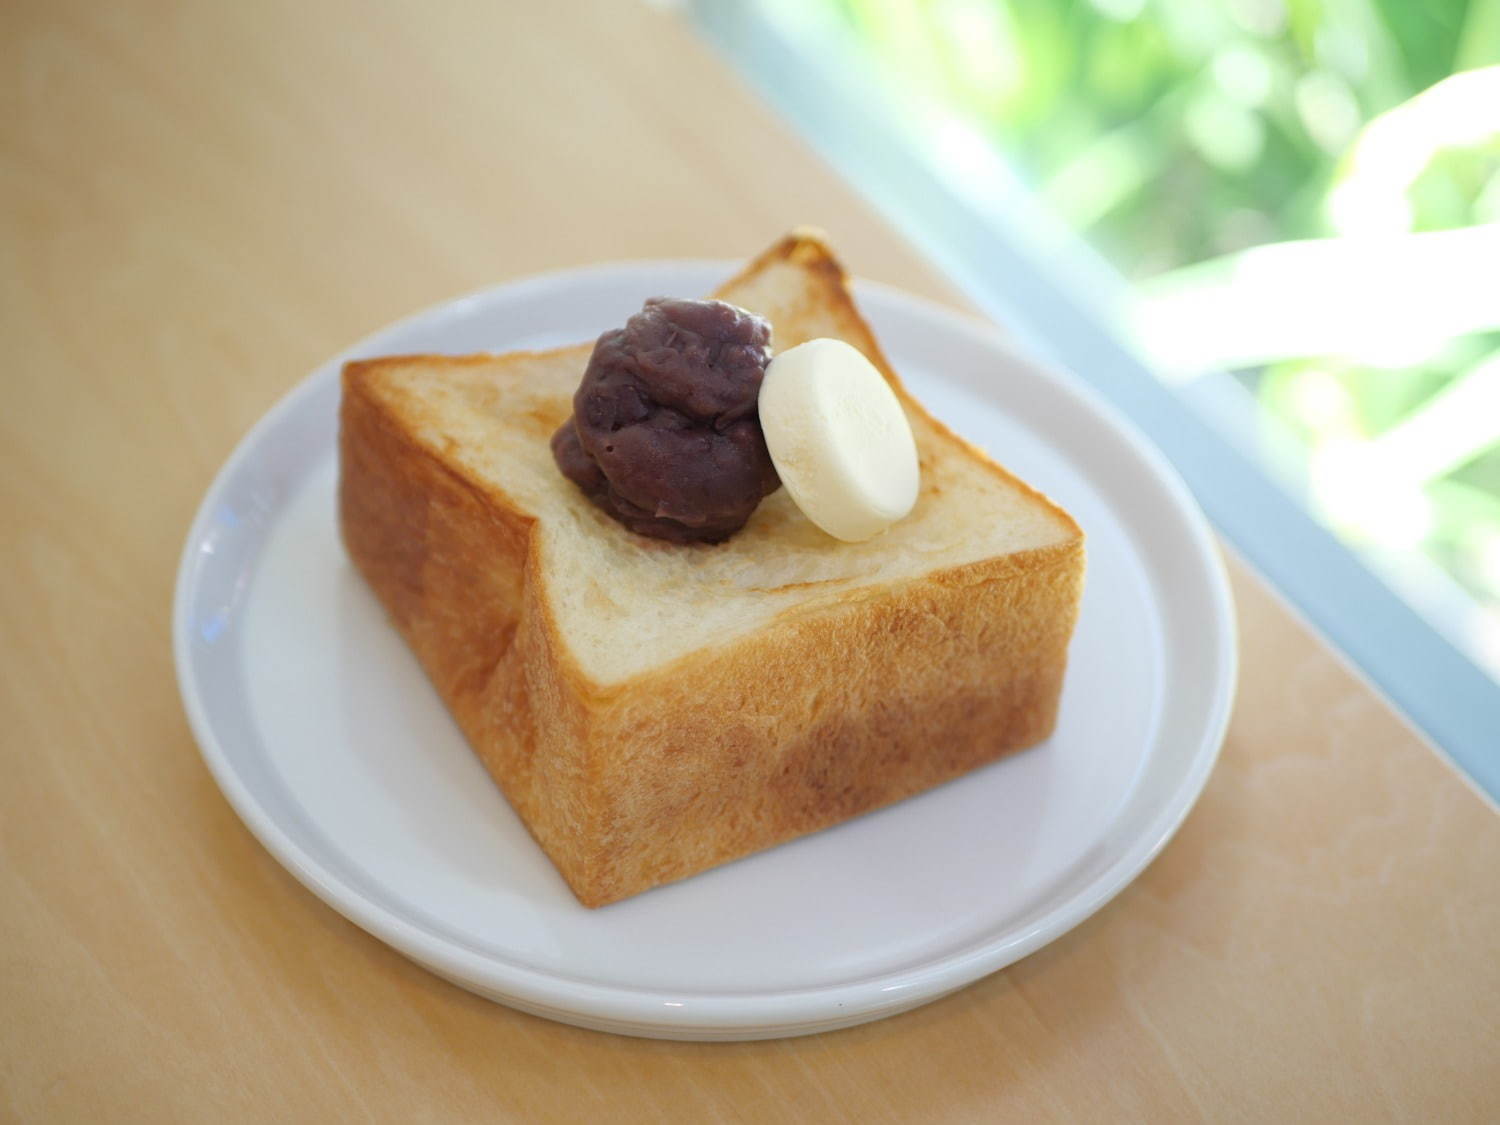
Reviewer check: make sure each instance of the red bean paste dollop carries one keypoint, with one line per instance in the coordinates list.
(665, 435)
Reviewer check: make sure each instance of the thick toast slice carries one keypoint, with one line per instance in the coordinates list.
(652, 709)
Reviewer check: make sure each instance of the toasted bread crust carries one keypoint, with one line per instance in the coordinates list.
(827, 715)
(838, 707)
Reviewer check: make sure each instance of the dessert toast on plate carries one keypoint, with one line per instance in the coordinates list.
(652, 709)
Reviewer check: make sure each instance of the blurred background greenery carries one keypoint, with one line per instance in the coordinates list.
(1304, 193)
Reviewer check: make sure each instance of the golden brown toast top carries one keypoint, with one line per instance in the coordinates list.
(624, 605)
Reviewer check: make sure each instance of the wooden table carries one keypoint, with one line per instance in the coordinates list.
(201, 202)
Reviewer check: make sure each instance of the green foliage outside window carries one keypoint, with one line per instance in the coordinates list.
(1234, 156)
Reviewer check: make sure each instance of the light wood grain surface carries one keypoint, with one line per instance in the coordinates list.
(201, 202)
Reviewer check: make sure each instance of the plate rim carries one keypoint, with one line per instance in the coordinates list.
(649, 1011)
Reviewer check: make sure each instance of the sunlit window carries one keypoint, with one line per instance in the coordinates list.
(1304, 195)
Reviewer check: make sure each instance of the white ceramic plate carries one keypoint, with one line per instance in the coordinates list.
(328, 741)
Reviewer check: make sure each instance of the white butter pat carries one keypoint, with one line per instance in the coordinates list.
(839, 439)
